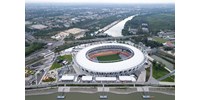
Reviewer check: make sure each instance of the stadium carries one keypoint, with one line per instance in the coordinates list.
(109, 59)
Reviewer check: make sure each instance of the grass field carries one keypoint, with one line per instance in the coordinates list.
(159, 71)
(160, 40)
(56, 65)
(112, 57)
(66, 57)
(169, 79)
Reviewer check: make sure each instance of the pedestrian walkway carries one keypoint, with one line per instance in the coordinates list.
(63, 89)
(167, 83)
(77, 69)
(143, 89)
(103, 89)
(142, 76)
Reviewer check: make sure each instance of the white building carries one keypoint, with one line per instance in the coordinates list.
(67, 78)
(106, 79)
(86, 78)
(127, 79)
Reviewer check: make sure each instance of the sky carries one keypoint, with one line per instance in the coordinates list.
(103, 1)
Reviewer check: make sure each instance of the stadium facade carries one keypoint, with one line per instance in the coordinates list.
(131, 59)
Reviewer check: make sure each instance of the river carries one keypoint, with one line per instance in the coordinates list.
(116, 30)
(95, 96)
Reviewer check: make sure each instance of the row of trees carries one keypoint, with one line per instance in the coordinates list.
(144, 39)
(32, 47)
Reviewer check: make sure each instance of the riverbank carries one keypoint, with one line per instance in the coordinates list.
(95, 96)
(114, 90)
(116, 30)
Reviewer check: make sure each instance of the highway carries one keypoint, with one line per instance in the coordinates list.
(38, 53)
(107, 38)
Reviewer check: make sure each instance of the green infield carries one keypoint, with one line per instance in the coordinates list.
(107, 58)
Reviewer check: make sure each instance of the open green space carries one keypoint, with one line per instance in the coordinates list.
(113, 57)
(56, 65)
(160, 40)
(169, 79)
(65, 57)
(159, 70)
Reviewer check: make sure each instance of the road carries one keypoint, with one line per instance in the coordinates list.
(47, 67)
(39, 77)
(107, 38)
(38, 53)
(168, 64)
(61, 42)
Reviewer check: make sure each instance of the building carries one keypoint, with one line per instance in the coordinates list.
(38, 26)
(86, 78)
(168, 44)
(67, 78)
(144, 25)
(133, 30)
(131, 60)
(76, 32)
(167, 35)
(105, 79)
(146, 30)
(127, 79)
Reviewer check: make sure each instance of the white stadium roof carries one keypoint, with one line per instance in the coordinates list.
(132, 62)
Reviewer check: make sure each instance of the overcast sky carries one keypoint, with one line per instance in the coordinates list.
(105, 1)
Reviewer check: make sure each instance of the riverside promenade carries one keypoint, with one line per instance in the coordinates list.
(116, 90)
